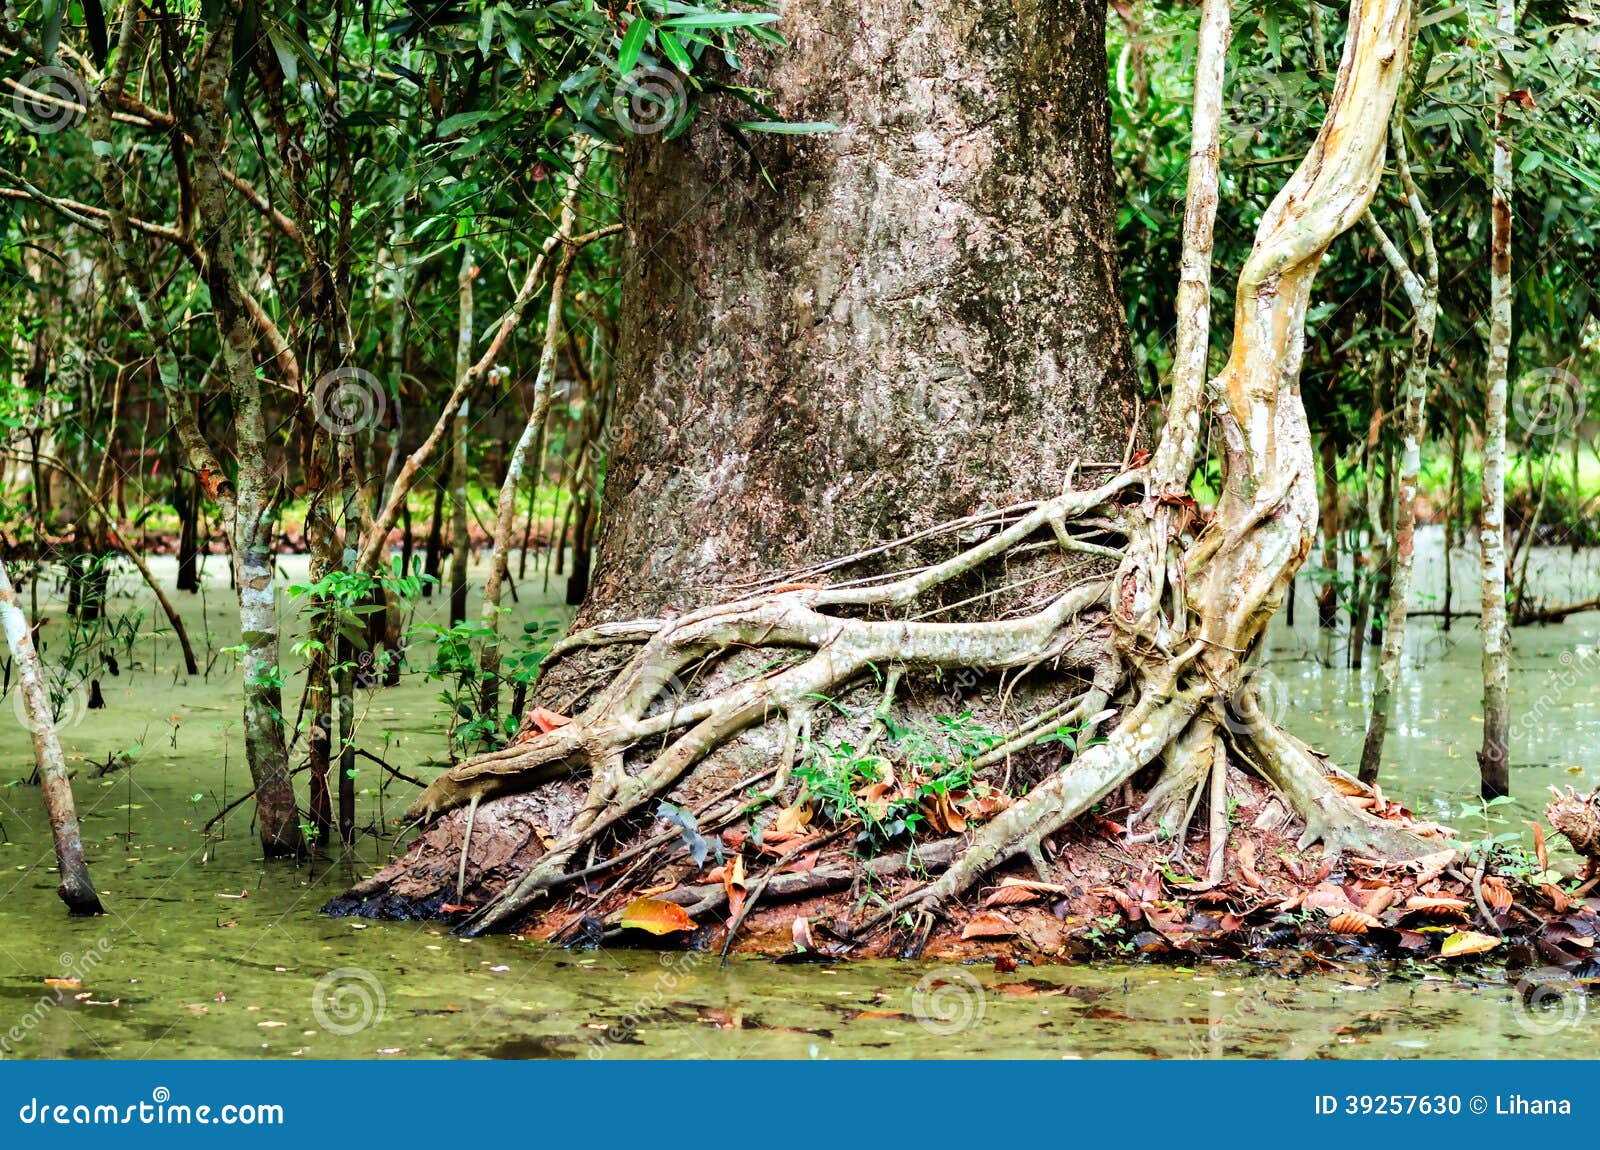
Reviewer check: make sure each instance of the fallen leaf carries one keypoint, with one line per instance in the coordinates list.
(1379, 900)
(64, 983)
(547, 720)
(1247, 864)
(1430, 867)
(1011, 896)
(1496, 893)
(1004, 964)
(656, 916)
(1465, 942)
(989, 924)
(801, 932)
(733, 884)
(1540, 851)
(1352, 922)
(792, 820)
(1436, 907)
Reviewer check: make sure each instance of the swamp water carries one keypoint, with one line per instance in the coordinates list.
(205, 953)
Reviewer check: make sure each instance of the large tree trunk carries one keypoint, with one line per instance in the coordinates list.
(921, 322)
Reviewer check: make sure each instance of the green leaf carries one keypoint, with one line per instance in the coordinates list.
(722, 20)
(787, 127)
(632, 44)
(672, 48)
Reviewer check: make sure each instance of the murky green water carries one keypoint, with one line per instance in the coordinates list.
(205, 953)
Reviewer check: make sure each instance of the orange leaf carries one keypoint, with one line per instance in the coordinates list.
(656, 916)
(1467, 942)
(1540, 851)
(1442, 907)
(989, 924)
(733, 883)
(1496, 893)
(64, 983)
(547, 720)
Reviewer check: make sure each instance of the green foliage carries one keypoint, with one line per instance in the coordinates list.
(886, 793)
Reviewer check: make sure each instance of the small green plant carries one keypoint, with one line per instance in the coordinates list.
(890, 794)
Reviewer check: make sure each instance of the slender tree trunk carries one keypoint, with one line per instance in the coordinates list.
(1424, 294)
(433, 550)
(187, 501)
(517, 460)
(1494, 757)
(76, 890)
(1452, 498)
(460, 551)
(254, 509)
(1328, 597)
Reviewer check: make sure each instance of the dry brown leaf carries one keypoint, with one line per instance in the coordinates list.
(1379, 900)
(1540, 851)
(792, 820)
(733, 884)
(1495, 892)
(1352, 922)
(802, 934)
(1465, 942)
(989, 924)
(1328, 897)
(1346, 786)
(1430, 867)
(1437, 907)
(1011, 896)
(1557, 897)
(1247, 864)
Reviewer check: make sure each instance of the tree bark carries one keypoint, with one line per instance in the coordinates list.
(76, 890)
(254, 503)
(1494, 756)
(923, 318)
(1423, 292)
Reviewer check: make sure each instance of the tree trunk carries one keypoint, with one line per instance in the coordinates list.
(254, 505)
(1423, 292)
(75, 889)
(921, 322)
(1494, 757)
